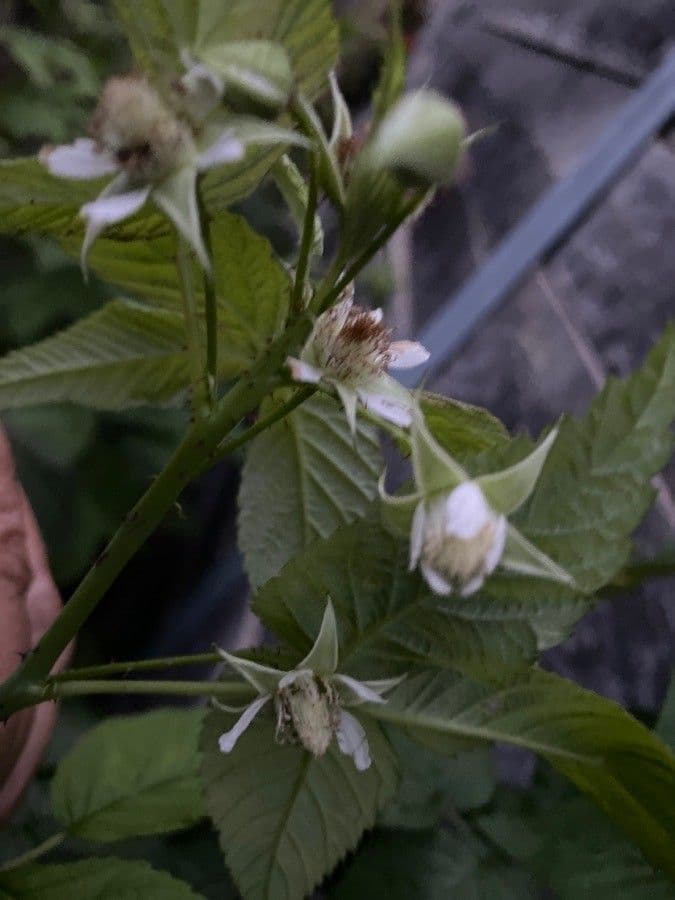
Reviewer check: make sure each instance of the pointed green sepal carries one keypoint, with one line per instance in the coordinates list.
(263, 678)
(342, 118)
(507, 490)
(323, 657)
(434, 469)
(177, 197)
(524, 558)
(396, 512)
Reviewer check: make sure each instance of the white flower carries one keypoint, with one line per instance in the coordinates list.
(152, 152)
(457, 539)
(310, 701)
(458, 527)
(350, 349)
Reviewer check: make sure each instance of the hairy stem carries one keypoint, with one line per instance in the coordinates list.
(34, 853)
(24, 687)
(192, 332)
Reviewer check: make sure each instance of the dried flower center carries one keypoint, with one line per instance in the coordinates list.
(133, 124)
(457, 559)
(308, 713)
(360, 347)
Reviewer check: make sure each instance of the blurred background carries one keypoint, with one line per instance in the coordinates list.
(559, 232)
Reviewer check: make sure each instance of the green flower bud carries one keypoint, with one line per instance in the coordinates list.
(421, 139)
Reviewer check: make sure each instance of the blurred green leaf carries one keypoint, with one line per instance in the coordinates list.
(132, 776)
(105, 879)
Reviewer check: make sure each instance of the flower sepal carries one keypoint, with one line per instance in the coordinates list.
(256, 75)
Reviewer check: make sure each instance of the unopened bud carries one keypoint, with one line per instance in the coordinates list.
(421, 139)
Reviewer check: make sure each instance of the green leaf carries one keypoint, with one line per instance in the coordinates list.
(252, 290)
(665, 727)
(429, 866)
(104, 879)
(305, 28)
(594, 489)
(50, 62)
(122, 355)
(610, 756)
(583, 856)
(257, 72)
(303, 478)
(157, 30)
(285, 818)
(131, 776)
(432, 785)
(461, 429)
(388, 619)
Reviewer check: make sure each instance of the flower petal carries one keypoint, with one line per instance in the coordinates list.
(407, 354)
(436, 582)
(472, 586)
(227, 741)
(81, 159)
(225, 149)
(417, 534)
(391, 410)
(352, 740)
(357, 691)
(376, 315)
(177, 197)
(110, 206)
(264, 679)
(302, 371)
(323, 657)
(467, 511)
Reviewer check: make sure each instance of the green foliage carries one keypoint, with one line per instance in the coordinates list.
(433, 786)
(430, 866)
(594, 488)
(105, 879)
(302, 479)
(461, 429)
(131, 776)
(123, 355)
(285, 818)
(392, 72)
(629, 773)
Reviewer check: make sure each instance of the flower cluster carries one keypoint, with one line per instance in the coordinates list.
(310, 701)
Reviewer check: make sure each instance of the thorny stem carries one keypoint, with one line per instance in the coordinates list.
(302, 268)
(238, 691)
(137, 665)
(24, 687)
(35, 853)
(192, 335)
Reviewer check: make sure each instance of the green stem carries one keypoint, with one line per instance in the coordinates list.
(237, 691)
(210, 304)
(299, 397)
(332, 291)
(306, 242)
(192, 332)
(310, 123)
(24, 686)
(136, 665)
(35, 853)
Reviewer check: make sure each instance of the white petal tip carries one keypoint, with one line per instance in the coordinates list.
(407, 354)
(301, 371)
